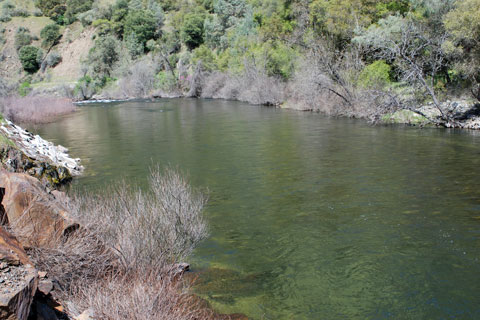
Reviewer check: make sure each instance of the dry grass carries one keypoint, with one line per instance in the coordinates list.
(144, 295)
(35, 109)
(146, 229)
(120, 262)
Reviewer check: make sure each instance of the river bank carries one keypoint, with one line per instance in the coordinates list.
(463, 114)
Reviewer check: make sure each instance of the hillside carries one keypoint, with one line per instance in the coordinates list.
(412, 55)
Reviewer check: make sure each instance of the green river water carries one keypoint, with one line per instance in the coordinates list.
(310, 217)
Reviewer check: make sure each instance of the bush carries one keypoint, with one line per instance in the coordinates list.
(75, 7)
(375, 75)
(143, 295)
(50, 35)
(53, 59)
(52, 8)
(206, 56)
(142, 23)
(22, 38)
(30, 57)
(35, 109)
(147, 229)
(5, 17)
(139, 80)
(192, 30)
(24, 89)
(20, 13)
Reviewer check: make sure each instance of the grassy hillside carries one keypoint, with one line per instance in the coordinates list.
(11, 68)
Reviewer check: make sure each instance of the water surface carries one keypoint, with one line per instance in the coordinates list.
(311, 217)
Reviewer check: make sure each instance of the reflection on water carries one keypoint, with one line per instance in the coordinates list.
(311, 218)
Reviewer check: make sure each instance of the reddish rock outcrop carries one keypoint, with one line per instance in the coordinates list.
(18, 279)
(35, 215)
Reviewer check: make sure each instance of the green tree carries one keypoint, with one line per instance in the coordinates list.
(142, 23)
(50, 35)
(192, 30)
(52, 8)
(375, 75)
(102, 57)
(134, 46)
(463, 25)
(30, 57)
(75, 7)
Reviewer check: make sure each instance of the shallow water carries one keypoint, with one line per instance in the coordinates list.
(311, 217)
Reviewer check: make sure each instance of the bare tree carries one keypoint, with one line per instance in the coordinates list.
(416, 50)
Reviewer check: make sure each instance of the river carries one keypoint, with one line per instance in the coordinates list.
(310, 217)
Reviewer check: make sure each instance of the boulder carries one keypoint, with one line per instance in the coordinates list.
(37, 218)
(18, 279)
(11, 251)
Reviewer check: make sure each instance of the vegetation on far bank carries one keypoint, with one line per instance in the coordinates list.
(397, 55)
(36, 109)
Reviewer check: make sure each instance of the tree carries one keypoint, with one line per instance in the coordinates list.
(340, 18)
(50, 35)
(30, 57)
(103, 56)
(142, 23)
(135, 47)
(52, 8)
(192, 30)
(416, 51)
(75, 7)
(159, 15)
(213, 31)
(463, 25)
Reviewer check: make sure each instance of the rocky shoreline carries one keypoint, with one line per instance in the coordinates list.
(29, 153)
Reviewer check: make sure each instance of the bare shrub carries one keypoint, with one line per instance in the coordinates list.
(120, 262)
(142, 295)
(77, 259)
(252, 86)
(213, 83)
(139, 80)
(262, 89)
(147, 229)
(35, 109)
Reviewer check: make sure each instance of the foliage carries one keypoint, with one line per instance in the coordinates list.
(22, 38)
(206, 56)
(463, 24)
(134, 46)
(102, 57)
(53, 59)
(192, 30)
(281, 59)
(50, 35)
(37, 109)
(54, 9)
(24, 89)
(142, 23)
(375, 75)
(75, 7)
(30, 58)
